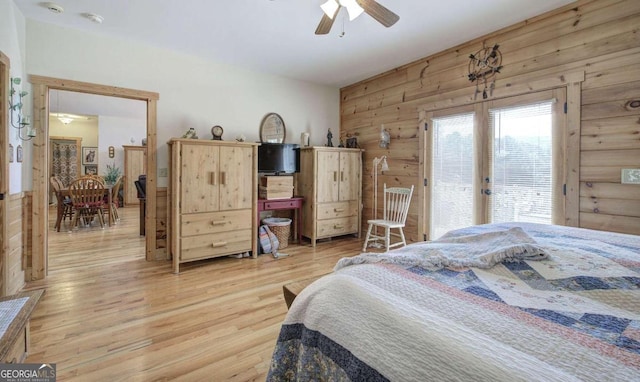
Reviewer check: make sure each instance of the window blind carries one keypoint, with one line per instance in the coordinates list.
(452, 174)
(521, 163)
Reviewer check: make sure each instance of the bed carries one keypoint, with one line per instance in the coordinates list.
(495, 302)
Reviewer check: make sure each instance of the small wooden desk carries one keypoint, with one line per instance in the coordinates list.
(294, 203)
(14, 340)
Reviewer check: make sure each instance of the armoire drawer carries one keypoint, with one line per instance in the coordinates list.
(338, 226)
(337, 210)
(216, 244)
(215, 222)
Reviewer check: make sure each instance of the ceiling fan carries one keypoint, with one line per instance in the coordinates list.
(354, 8)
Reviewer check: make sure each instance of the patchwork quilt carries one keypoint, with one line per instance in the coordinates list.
(564, 307)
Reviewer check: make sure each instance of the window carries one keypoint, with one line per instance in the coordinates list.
(521, 164)
(496, 161)
(452, 173)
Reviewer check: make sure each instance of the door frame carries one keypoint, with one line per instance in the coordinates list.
(510, 87)
(40, 86)
(5, 65)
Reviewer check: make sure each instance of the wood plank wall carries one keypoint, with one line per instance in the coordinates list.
(15, 265)
(161, 222)
(599, 37)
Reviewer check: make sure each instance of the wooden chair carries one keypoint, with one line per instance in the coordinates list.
(87, 198)
(64, 207)
(396, 207)
(115, 190)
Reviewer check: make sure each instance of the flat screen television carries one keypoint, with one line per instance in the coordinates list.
(278, 158)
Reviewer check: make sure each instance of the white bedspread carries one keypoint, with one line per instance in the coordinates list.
(550, 320)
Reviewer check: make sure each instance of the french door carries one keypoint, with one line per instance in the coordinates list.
(496, 161)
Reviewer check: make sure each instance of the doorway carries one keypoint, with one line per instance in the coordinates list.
(496, 161)
(40, 211)
(4, 168)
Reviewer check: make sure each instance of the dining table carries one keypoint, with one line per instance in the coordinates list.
(66, 192)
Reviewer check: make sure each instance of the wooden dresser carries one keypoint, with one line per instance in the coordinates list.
(212, 194)
(330, 180)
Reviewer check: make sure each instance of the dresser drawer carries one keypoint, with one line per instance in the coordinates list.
(215, 222)
(281, 204)
(335, 227)
(337, 210)
(217, 244)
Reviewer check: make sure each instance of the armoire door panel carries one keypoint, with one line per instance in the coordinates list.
(235, 177)
(328, 176)
(200, 181)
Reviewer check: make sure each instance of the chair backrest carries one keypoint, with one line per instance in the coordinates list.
(116, 189)
(396, 203)
(87, 191)
(56, 183)
(141, 191)
(96, 178)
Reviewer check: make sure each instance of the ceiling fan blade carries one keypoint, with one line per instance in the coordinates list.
(326, 23)
(379, 12)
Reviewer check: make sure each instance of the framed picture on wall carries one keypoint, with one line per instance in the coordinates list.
(10, 153)
(19, 153)
(91, 169)
(89, 155)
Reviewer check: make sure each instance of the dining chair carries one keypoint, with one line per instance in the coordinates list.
(87, 198)
(396, 208)
(64, 206)
(115, 190)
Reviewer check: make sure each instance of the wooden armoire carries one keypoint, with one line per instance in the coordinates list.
(212, 199)
(330, 180)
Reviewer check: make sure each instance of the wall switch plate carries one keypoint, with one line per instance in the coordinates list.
(162, 172)
(631, 175)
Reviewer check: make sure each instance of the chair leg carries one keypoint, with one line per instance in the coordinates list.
(100, 214)
(75, 220)
(366, 241)
(387, 238)
(404, 242)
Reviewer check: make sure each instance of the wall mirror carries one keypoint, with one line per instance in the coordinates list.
(272, 129)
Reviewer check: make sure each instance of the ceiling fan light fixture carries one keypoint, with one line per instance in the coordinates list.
(330, 8)
(353, 8)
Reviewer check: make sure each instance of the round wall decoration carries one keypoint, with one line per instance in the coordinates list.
(272, 129)
(483, 66)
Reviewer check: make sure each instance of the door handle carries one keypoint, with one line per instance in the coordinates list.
(487, 192)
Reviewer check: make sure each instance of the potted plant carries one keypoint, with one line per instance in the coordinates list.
(113, 173)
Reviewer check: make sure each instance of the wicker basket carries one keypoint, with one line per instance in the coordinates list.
(281, 227)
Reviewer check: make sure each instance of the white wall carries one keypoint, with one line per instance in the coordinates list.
(116, 132)
(193, 92)
(12, 44)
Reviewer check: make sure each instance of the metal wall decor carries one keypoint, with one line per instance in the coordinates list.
(483, 66)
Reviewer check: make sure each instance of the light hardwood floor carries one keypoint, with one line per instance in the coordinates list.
(108, 314)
